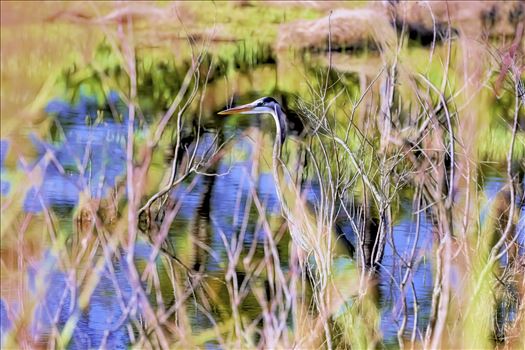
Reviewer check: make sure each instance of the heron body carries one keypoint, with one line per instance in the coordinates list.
(305, 229)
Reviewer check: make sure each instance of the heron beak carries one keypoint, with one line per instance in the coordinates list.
(237, 110)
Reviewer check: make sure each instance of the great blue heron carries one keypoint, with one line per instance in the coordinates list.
(304, 227)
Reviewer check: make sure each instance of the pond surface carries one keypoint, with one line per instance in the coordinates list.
(219, 203)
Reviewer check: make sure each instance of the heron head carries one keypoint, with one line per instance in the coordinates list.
(259, 106)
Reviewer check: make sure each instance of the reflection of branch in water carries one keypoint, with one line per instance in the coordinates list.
(157, 230)
(200, 231)
(184, 163)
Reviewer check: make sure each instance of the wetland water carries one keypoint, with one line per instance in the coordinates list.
(75, 154)
(219, 204)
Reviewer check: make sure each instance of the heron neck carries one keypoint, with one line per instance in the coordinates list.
(277, 150)
(281, 127)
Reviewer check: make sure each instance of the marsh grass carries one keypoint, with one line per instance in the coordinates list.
(410, 133)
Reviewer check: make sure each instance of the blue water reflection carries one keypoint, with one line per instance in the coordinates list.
(89, 155)
(5, 323)
(394, 266)
(4, 184)
(521, 231)
(100, 325)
